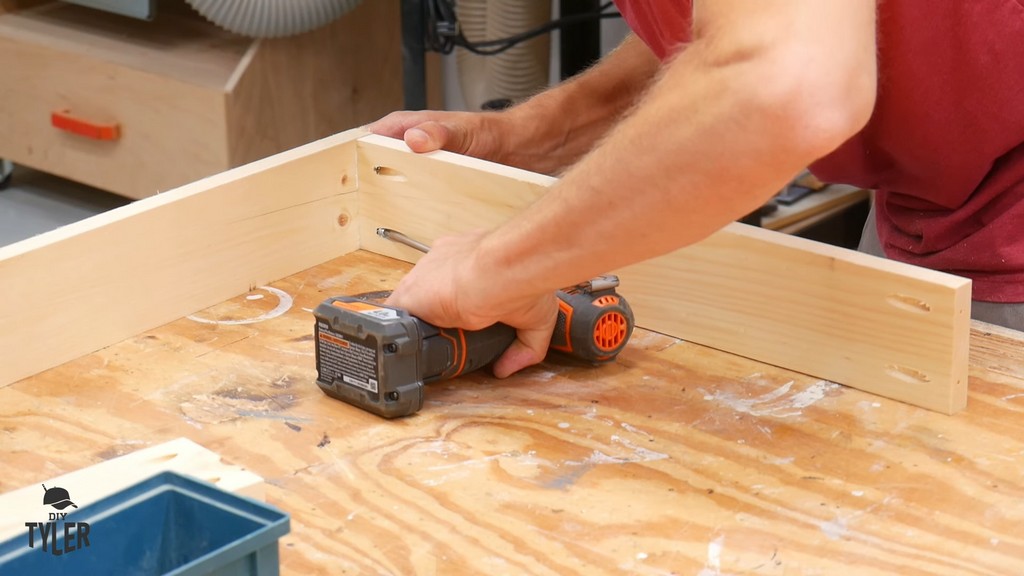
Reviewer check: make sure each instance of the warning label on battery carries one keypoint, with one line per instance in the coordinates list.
(367, 309)
(354, 363)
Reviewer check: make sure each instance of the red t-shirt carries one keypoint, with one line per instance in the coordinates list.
(944, 147)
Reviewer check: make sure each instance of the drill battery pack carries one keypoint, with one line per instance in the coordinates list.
(380, 358)
(368, 355)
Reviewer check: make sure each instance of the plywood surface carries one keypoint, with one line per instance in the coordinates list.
(676, 459)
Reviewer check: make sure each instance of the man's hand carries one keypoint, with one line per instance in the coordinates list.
(471, 133)
(546, 133)
(450, 287)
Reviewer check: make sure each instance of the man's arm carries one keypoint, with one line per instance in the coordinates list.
(538, 134)
(764, 89)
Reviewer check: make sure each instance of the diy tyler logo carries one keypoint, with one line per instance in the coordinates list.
(76, 534)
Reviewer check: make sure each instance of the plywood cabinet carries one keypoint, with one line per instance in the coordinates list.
(137, 107)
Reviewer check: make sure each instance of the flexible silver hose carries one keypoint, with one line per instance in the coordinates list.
(272, 18)
(520, 71)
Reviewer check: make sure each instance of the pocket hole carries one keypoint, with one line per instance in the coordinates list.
(910, 303)
(908, 375)
(389, 173)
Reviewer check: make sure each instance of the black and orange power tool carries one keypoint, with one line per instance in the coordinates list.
(380, 358)
(594, 320)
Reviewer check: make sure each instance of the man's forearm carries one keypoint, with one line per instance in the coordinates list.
(719, 132)
(556, 128)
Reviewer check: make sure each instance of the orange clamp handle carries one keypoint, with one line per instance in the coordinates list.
(65, 120)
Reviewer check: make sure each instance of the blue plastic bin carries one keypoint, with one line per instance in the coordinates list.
(168, 524)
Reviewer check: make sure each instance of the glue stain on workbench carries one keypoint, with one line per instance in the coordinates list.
(284, 303)
(230, 403)
(444, 461)
(575, 469)
(839, 527)
(779, 403)
(337, 283)
(713, 565)
(835, 529)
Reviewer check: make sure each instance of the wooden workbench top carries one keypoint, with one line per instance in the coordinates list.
(677, 459)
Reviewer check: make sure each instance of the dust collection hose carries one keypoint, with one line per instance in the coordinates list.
(516, 73)
(512, 74)
(272, 18)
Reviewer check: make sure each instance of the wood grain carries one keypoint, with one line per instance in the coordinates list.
(676, 459)
(104, 279)
(862, 321)
(429, 195)
(290, 91)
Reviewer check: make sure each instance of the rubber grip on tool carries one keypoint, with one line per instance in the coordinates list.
(592, 326)
(474, 349)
